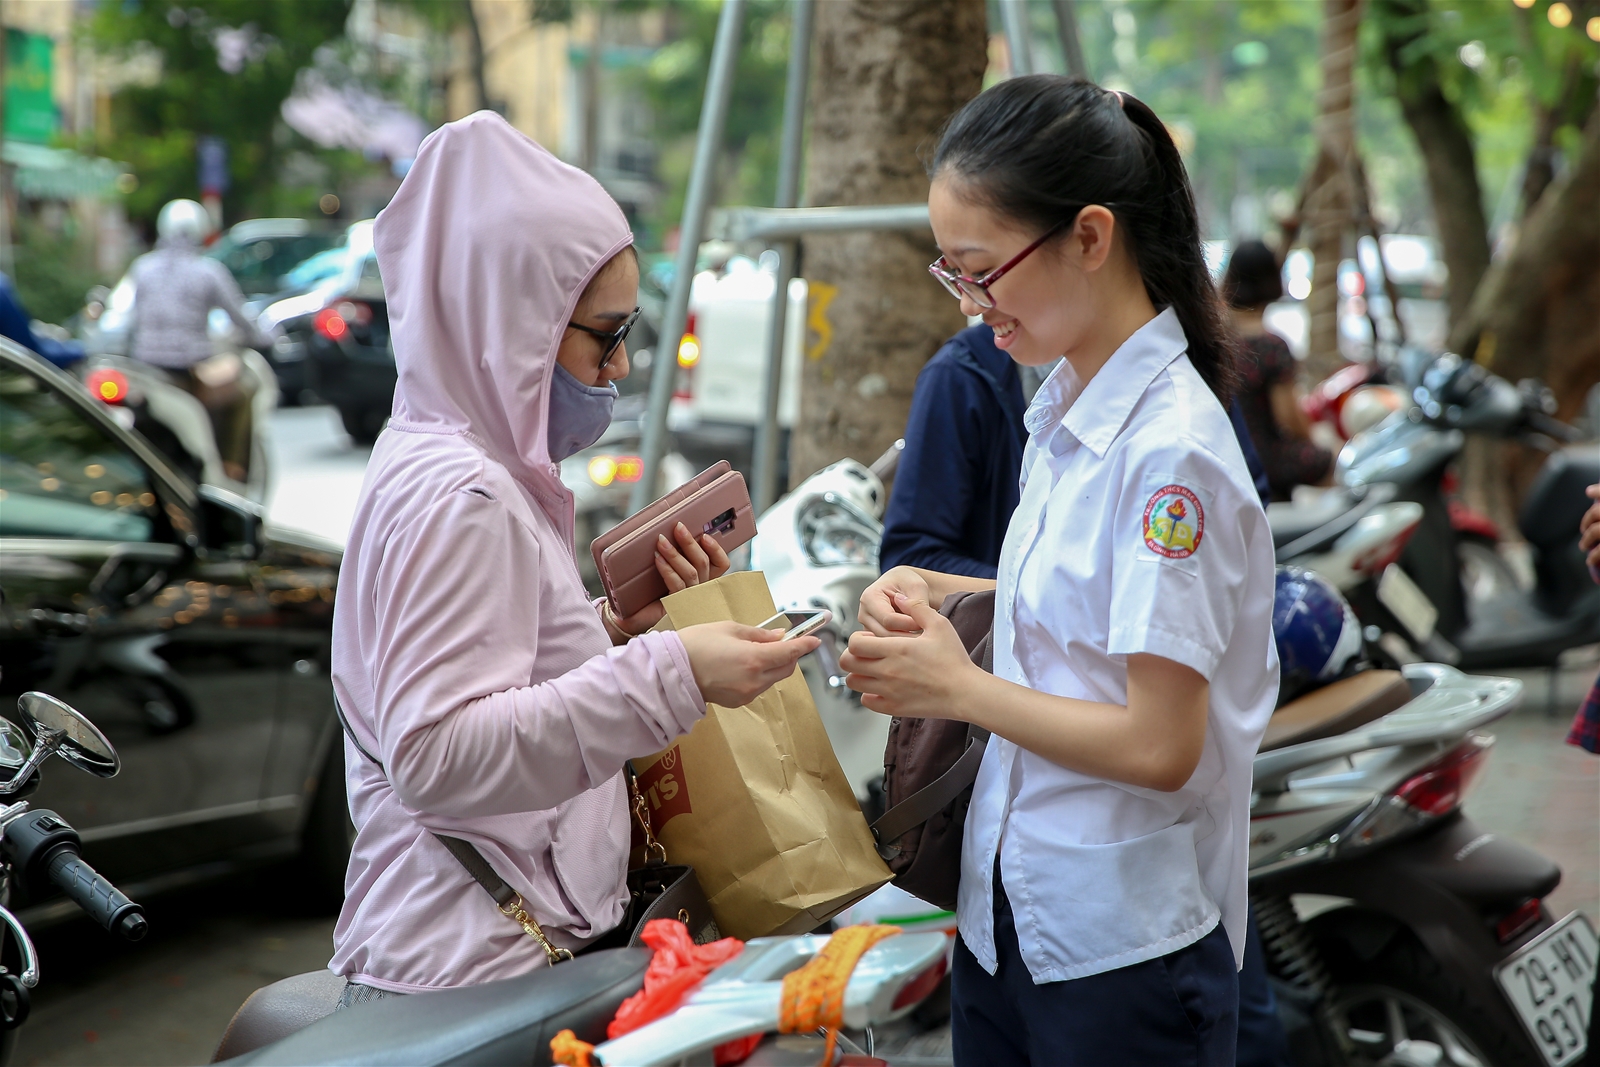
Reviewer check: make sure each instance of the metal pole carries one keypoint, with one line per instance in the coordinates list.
(1071, 43)
(664, 364)
(768, 433)
(1014, 14)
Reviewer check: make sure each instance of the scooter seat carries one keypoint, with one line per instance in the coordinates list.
(275, 1011)
(1337, 708)
(510, 1021)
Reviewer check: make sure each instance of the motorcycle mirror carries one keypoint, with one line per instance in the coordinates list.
(60, 729)
(15, 747)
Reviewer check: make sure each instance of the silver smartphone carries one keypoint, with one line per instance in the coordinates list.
(799, 623)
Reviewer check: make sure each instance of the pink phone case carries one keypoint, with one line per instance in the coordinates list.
(716, 502)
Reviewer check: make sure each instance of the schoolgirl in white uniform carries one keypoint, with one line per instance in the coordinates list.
(1103, 898)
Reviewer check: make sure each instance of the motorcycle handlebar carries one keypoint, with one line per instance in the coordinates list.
(98, 897)
(1553, 427)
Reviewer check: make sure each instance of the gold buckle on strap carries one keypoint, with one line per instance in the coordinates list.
(514, 910)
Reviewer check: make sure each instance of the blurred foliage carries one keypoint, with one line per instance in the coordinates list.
(225, 68)
(54, 267)
(673, 83)
(1497, 63)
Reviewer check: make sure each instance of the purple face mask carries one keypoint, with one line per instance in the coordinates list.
(579, 414)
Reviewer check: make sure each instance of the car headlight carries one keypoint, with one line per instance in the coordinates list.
(833, 531)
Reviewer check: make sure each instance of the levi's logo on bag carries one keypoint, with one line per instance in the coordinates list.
(663, 786)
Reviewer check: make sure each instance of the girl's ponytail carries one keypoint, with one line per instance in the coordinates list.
(1036, 148)
(1174, 269)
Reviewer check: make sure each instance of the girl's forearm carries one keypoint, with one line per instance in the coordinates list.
(941, 585)
(1153, 749)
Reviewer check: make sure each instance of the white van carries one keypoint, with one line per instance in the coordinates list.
(724, 352)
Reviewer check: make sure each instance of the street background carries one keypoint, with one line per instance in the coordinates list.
(167, 999)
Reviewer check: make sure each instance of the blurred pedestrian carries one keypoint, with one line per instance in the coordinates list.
(1103, 904)
(1267, 393)
(466, 655)
(175, 290)
(17, 324)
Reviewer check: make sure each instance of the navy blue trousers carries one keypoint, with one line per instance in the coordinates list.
(1174, 1011)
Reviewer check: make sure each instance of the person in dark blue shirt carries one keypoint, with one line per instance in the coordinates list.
(16, 324)
(956, 485)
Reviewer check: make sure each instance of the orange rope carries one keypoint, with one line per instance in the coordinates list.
(567, 1050)
(813, 996)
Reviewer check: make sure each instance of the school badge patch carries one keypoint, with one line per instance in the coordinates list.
(1174, 522)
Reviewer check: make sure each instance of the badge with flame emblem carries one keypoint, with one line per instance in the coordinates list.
(1174, 522)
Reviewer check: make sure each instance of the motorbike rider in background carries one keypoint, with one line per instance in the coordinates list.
(176, 289)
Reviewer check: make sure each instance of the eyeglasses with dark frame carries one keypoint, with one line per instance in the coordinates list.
(612, 338)
(977, 289)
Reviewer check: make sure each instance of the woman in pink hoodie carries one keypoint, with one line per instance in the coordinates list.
(466, 654)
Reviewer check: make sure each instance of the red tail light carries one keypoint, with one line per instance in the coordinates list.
(330, 324)
(1441, 786)
(1378, 559)
(919, 987)
(108, 386)
(336, 320)
(1525, 915)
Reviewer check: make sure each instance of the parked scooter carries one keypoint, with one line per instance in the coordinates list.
(1399, 931)
(1464, 591)
(40, 850)
(178, 425)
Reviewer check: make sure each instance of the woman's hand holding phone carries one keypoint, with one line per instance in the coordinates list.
(687, 562)
(733, 663)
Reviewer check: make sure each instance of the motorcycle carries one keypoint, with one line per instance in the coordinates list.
(142, 399)
(1398, 931)
(41, 850)
(1462, 600)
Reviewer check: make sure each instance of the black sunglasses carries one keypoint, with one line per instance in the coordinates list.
(613, 338)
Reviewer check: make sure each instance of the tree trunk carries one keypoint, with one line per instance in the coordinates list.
(1534, 315)
(1447, 152)
(1330, 199)
(476, 54)
(1574, 104)
(887, 74)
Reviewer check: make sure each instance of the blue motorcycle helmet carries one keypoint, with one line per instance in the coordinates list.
(1318, 635)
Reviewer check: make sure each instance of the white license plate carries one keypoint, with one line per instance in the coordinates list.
(1408, 603)
(1548, 982)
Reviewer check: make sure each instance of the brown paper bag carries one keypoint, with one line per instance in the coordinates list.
(754, 798)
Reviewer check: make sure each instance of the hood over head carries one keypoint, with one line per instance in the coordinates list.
(484, 252)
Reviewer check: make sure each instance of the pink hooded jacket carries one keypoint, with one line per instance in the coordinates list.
(466, 654)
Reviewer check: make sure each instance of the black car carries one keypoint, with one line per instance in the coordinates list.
(337, 329)
(194, 637)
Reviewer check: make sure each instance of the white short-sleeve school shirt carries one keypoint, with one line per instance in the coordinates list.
(1139, 530)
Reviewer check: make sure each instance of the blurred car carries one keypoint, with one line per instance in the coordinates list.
(196, 638)
(332, 326)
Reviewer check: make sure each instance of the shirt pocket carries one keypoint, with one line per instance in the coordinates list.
(1096, 907)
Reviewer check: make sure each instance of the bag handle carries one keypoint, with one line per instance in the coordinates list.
(934, 797)
(506, 900)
